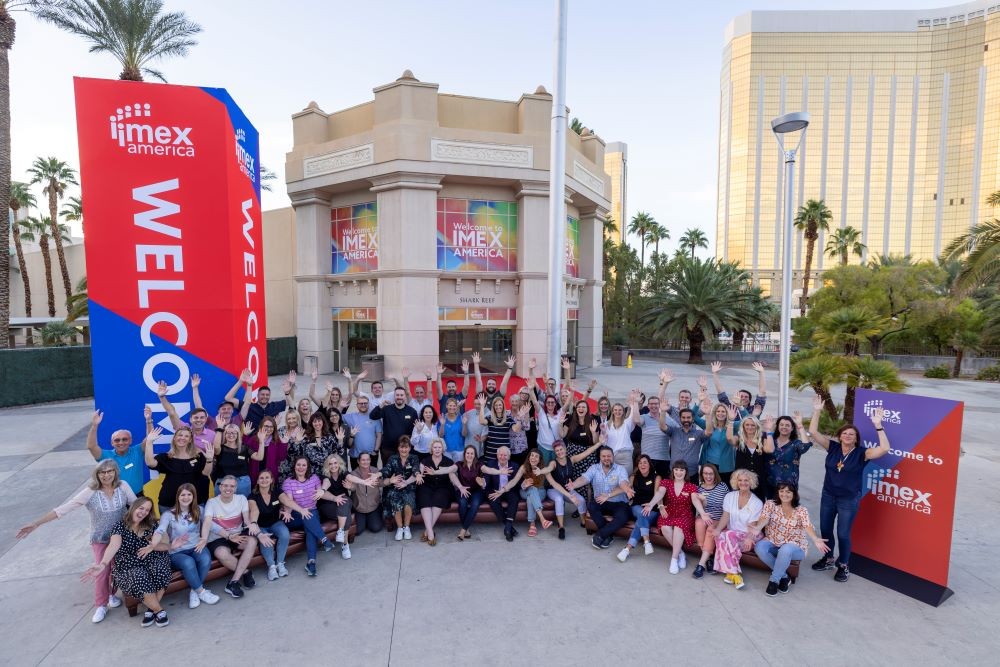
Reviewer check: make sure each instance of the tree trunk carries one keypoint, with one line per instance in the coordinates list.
(849, 404)
(828, 404)
(738, 336)
(29, 341)
(7, 27)
(57, 236)
(695, 340)
(810, 242)
(959, 355)
(43, 244)
(843, 257)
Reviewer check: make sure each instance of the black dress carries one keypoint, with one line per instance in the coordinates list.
(578, 440)
(436, 491)
(138, 576)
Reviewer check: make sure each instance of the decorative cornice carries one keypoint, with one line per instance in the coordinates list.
(408, 180)
(467, 152)
(532, 189)
(584, 176)
(342, 160)
(308, 197)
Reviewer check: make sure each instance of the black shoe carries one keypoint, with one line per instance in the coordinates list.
(311, 568)
(147, 619)
(233, 588)
(699, 571)
(513, 531)
(562, 533)
(842, 573)
(783, 584)
(710, 564)
(606, 544)
(576, 514)
(248, 581)
(824, 563)
(595, 541)
(161, 619)
(508, 532)
(772, 589)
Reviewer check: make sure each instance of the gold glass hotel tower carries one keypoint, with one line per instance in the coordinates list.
(903, 139)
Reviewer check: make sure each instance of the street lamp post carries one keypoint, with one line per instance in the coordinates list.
(790, 123)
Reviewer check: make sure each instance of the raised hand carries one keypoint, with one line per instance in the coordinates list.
(340, 433)
(769, 423)
(732, 412)
(147, 413)
(292, 375)
(154, 434)
(355, 430)
(524, 411)
(594, 427)
(195, 380)
(329, 388)
(247, 428)
(817, 404)
(465, 365)
(220, 421)
(565, 364)
(877, 416)
(716, 367)
(667, 376)
(757, 366)
(532, 363)
(797, 418)
(346, 372)
(476, 358)
(245, 376)
(286, 387)
(440, 368)
(482, 397)
(592, 385)
(314, 375)
(95, 420)
(510, 362)
(703, 381)
(161, 388)
(363, 374)
(406, 374)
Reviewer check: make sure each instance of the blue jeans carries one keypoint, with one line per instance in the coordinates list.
(468, 508)
(279, 531)
(242, 486)
(642, 524)
(547, 455)
(778, 558)
(842, 510)
(194, 565)
(534, 498)
(313, 528)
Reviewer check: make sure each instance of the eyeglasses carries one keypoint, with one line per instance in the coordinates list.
(105, 472)
(119, 439)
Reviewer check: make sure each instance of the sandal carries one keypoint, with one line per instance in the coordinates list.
(461, 537)
(546, 524)
(423, 538)
(532, 531)
(432, 542)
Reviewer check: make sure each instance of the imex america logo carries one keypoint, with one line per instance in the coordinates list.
(243, 156)
(891, 416)
(132, 131)
(885, 485)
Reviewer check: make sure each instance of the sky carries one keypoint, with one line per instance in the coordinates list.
(645, 72)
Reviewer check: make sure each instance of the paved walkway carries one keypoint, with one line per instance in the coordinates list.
(486, 601)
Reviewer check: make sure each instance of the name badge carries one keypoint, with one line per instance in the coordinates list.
(691, 439)
(241, 457)
(298, 490)
(275, 502)
(407, 417)
(129, 466)
(193, 463)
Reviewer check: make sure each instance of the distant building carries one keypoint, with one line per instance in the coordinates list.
(904, 128)
(616, 166)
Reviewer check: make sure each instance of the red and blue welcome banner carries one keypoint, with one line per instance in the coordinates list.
(902, 533)
(175, 274)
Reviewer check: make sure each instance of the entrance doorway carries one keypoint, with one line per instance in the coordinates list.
(493, 346)
(351, 340)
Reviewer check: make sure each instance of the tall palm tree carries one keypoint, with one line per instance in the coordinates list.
(692, 239)
(135, 32)
(810, 219)
(641, 223)
(656, 234)
(42, 227)
(21, 197)
(609, 229)
(979, 251)
(848, 327)
(73, 209)
(55, 175)
(845, 241)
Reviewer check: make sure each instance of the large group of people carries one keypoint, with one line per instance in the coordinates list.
(714, 479)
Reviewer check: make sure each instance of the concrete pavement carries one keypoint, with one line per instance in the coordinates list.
(489, 602)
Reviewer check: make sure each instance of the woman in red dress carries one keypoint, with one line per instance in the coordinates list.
(676, 521)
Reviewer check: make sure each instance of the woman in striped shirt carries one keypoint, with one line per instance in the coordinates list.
(712, 491)
(499, 424)
(299, 493)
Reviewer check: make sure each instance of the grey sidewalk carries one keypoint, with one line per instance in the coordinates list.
(490, 602)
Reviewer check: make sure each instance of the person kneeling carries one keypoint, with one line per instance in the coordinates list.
(225, 527)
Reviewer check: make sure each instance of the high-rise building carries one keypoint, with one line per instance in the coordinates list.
(616, 166)
(903, 139)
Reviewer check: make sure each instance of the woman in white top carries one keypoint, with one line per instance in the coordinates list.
(619, 430)
(733, 533)
(425, 431)
(188, 555)
(107, 498)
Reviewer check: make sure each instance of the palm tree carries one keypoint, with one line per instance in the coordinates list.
(656, 234)
(848, 327)
(844, 241)
(42, 227)
(266, 176)
(609, 229)
(819, 370)
(73, 209)
(56, 176)
(979, 250)
(135, 32)
(576, 125)
(641, 223)
(693, 238)
(868, 373)
(892, 259)
(810, 219)
(21, 197)
(79, 304)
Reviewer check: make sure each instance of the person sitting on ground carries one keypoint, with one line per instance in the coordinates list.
(106, 497)
(181, 527)
(712, 492)
(732, 533)
(140, 570)
(529, 483)
(449, 390)
(398, 497)
(471, 483)
(786, 525)
(299, 494)
(491, 389)
(269, 451)
(269, 524)
(782, 441)
(611, 493)
(232, 458)
(645, 482)
(129, 457)
(425, 431)
(367, 498)
(746, 405)
(182, 464)
(434, 488)
(225, 531)
(503, 499)
(676, 522)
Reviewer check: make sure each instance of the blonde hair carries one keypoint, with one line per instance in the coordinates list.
(329, 460)
(715, 420)
(743, 436)
(743, 472)
(192, 448)
(106, 464)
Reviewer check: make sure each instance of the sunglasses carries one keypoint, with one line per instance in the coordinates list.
(119, 439)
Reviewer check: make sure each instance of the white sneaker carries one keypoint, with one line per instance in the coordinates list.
(648, 548)
(673, 566)
(681, 560)
(193, 600)
(99, 614)
(345, 552)
(114, 601)
(207, 596)
(623, 555)
(399, 534)
(339, 539)
(406, 533)
(282, 570)
(272, 572)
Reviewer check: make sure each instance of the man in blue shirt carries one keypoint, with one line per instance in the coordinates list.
(611, 493)
(129, 457)
(369, 436)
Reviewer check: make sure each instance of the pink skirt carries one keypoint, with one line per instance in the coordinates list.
(728, 551)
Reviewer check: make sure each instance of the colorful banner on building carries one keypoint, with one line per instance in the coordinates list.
(902, 534)
(354, 238)
(476, 235)
(572, 248)
(171, 178)
(507, 315)
(354, 314)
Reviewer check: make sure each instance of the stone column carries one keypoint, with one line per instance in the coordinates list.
(591, 323)
(407, 295)
(530, 337)
(313, 263)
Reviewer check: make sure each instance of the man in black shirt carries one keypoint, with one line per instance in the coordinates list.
(398, 419)
(254, 411)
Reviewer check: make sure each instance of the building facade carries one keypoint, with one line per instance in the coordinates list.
(904, 128)
(421, 231)
(616, 166)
